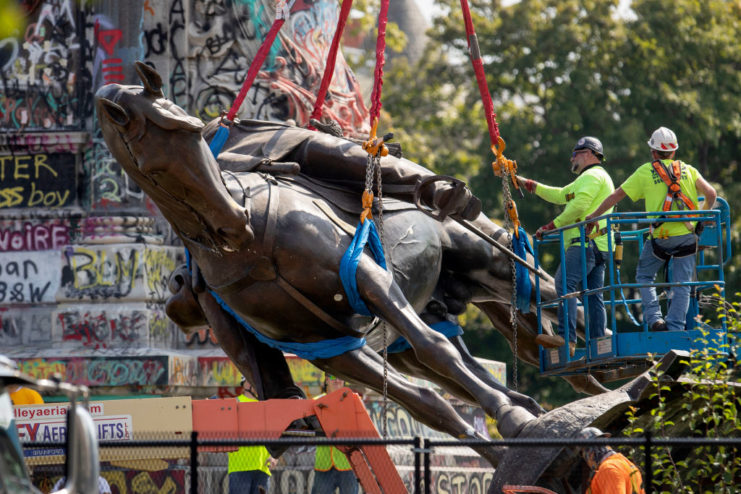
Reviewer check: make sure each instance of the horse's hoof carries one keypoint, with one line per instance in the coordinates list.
(512, 419)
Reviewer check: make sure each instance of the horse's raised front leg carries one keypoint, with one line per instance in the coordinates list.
(384, 298)
(426, 406)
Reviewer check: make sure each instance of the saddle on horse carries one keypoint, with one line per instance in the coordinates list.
(276, 148)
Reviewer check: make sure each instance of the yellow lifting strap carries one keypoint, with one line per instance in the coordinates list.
(375, 148)
(503, 166)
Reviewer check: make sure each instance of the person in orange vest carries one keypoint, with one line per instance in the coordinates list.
(249, 466)
(665, 184)
(332, 469)
(612, 473)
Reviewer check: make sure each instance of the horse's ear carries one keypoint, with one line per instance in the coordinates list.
(114, 112)
(150, 79)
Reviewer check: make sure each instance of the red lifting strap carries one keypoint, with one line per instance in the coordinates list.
(380, 60)
(255, 66)
(478, 67)
(331, 59)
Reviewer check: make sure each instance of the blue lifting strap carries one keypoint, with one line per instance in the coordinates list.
(307, 351)
(365, 234)
(521, 246)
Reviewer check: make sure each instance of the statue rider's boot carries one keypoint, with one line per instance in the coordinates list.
(456, 201)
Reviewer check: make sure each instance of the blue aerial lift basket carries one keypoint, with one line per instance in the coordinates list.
(629, 349)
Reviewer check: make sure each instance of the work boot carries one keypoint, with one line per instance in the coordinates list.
(456, 200)
(659, 325)
(549, 340)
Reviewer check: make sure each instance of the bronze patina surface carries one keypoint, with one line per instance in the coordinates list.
(269, 246)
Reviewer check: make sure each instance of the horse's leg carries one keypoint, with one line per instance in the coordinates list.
(406, 362)
(426, 406)
(517, 399)
(489, 282)
(385, 298)
(265, 367)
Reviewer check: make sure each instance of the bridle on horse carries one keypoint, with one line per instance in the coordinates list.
(212, 245)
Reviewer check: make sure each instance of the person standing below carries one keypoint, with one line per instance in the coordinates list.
(581, 197)
(332, 469)
(665, 184)
(249, 466)
(611, 472)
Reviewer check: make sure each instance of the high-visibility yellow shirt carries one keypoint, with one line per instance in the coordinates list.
(646, 184)
(248, 458)
(617, 475)
(328, 457)
(26, 396)
(582, 197)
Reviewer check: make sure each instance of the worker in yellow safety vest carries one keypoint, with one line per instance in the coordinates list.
(249, 466)
(580, 197)
(665, 184)
(332, 469)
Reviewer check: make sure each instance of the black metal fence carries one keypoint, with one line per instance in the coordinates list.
(195, 465)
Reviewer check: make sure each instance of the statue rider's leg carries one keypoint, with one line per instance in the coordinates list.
(384, 298)
(426, 406)
(344, 163)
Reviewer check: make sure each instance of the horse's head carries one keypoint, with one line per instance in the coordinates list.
(160, 146)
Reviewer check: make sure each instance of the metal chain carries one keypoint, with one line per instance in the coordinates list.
(369, 174)
(374, 164)
(513, 303)
(387, 254)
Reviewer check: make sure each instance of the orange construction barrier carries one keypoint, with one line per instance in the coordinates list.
(341, 415)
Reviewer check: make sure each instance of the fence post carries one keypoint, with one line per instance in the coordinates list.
(194, 462)
(417, 465)
(648, 481)
(428, 476)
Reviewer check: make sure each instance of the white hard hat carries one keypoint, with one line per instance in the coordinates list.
(663, 139)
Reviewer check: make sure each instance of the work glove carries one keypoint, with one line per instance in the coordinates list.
(545, 228)
(527, 184)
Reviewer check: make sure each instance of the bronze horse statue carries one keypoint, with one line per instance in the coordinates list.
(265, 253)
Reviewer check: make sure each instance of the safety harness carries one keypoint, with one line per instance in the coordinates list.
(674, 195)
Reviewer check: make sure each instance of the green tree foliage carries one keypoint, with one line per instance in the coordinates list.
(706, 405)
